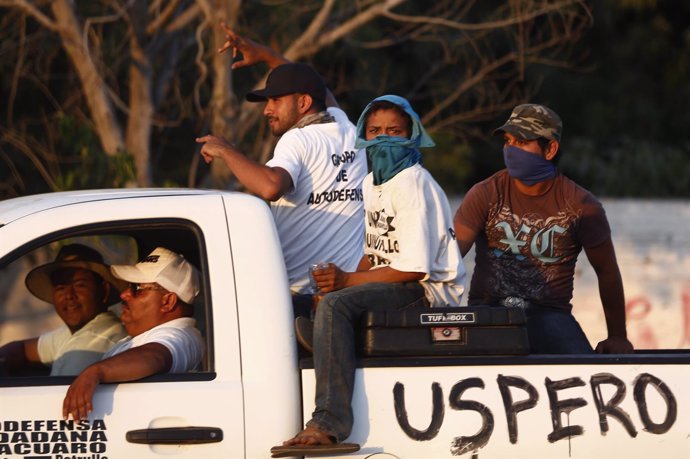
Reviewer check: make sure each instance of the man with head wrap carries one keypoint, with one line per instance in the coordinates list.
(411, 258)
(529, 224)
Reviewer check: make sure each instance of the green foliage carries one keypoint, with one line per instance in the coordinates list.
(624, 107)
(625, 117)
(628, 168)
(84, 164)
(450, 162)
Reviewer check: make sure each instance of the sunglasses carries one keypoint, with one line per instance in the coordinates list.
(136, 288)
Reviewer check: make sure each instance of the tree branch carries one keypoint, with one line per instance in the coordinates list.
(466, 85)
(106, 124)
(484, 25)
(17, 72)
(159, 20)
(7, 186)
(314, 28)
(17, 142)
(296, 52)
(32, 11)
(184, 18)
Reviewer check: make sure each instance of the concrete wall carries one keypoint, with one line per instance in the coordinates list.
(652, 240)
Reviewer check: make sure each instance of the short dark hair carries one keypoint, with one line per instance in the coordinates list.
(318, 105)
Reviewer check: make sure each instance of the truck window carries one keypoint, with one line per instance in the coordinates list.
(24, 316)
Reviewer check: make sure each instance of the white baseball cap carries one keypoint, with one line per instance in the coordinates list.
(167, 269)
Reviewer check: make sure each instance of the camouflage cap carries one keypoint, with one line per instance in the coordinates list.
(532, 121)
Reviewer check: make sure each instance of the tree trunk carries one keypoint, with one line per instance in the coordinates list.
(140, 113)
(107, 128)
(141, 109)
(223, 106)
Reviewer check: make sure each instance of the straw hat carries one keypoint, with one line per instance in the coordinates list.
(78, 256)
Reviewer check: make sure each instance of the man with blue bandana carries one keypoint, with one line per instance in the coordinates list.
(410, 258)
(528, 224)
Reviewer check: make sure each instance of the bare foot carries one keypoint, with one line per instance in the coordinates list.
(310, 436)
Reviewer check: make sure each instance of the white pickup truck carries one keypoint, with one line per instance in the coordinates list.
(253, 391)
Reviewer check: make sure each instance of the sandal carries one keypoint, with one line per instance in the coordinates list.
(312, 442)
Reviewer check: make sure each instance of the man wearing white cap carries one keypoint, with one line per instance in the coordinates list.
(156, 311)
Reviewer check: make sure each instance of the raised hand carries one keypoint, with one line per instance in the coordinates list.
(252, 52)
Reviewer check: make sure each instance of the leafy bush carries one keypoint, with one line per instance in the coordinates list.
(628, 168)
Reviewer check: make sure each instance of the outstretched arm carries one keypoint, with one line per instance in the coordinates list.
(136, 363)
(269, 183)
(603, 260)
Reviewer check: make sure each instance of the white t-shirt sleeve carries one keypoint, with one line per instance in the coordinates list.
(289, 155)
(119, 347)
(185, 345)
(50, 342)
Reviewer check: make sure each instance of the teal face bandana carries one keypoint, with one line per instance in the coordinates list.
(389, 155)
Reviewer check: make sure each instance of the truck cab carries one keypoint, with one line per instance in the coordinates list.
(217, 411)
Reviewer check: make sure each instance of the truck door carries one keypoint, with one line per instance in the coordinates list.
(196, 414)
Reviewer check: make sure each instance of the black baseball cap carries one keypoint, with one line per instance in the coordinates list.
(291, 78)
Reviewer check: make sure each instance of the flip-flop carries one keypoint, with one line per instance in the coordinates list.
(314, 450)
(304, 332)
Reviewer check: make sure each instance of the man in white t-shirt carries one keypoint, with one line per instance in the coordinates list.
(314, 179)
(157, 313)
(411, 259)
(80, 287)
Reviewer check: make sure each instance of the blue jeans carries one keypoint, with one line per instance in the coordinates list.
(337, 318)
(555, 331)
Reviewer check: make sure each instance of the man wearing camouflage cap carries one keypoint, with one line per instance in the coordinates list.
(529, 223)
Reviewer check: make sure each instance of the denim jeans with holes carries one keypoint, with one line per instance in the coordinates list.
(337, 318)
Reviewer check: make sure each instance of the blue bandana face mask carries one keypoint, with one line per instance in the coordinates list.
(527, 167)
(389, 155)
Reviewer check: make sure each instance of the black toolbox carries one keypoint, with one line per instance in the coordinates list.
(421, 331)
